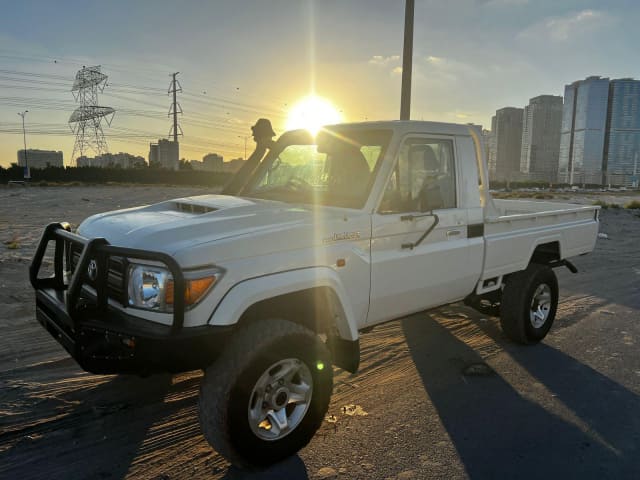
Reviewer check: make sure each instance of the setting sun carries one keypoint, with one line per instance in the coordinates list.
(312, 113)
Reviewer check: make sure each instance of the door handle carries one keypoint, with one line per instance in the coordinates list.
(453, 233)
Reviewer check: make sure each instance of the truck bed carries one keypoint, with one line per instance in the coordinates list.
(515, 228)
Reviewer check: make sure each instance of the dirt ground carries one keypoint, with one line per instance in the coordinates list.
(440, 394)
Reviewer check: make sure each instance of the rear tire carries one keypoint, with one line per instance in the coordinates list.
(267, 394)
(529, 304)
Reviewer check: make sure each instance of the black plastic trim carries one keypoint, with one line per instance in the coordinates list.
(345, 353)
(564, 263)
(475, 230)
(115, 342)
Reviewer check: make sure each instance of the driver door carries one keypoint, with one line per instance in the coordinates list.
(407, 276)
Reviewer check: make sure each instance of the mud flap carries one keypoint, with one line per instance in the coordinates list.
(345, 353)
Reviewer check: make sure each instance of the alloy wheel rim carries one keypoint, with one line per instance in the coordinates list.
(540, 306)
(280, 399)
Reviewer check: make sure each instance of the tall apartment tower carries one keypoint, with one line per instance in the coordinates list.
(583, 131)
(622, 144)
(153, 154)
(541, 138)
(165, 154)
(168, 154)
(490, 145)
(508, 140)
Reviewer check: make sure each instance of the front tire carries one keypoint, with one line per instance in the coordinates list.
(529, 304)
(267, 394)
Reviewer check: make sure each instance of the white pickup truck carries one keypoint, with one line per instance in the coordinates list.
(267, 290)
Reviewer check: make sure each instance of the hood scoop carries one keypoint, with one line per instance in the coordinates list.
(193, 208)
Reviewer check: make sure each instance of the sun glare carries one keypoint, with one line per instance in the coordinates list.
(312, 113)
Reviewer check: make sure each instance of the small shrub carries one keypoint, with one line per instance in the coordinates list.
(633, 205)
(601, 204)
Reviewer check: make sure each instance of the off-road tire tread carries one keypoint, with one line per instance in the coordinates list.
(220, 377)
(514, 297)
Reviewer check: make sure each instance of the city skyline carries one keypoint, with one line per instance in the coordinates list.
(470, 57)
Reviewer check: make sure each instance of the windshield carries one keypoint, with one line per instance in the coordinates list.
(336, 168)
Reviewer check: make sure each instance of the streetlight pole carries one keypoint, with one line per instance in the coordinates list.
(24, 138)
(407, 61)
(245, 137)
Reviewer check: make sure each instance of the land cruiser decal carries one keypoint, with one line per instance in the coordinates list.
(338, 237)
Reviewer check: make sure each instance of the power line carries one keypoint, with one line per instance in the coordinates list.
(200, 98)
(220, 117)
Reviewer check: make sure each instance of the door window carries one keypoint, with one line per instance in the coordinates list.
(423, 178)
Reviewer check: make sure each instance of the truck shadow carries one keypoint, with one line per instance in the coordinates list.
(82, 426)
(500, 433)
(67, 424)
(604, 406)
(292, 468)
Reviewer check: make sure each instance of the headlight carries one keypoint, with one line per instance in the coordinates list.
(152, 287)
(147, 286)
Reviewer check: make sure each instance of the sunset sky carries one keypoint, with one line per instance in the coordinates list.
(245, 59)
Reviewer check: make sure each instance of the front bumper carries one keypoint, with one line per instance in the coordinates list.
(105, 339)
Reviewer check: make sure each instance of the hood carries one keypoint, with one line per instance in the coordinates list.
(183, 223)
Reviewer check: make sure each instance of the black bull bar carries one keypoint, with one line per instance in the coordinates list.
(98, 250)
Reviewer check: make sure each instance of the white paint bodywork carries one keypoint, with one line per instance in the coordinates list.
(511, 237)
(269, 248)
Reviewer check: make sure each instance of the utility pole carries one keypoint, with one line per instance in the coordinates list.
(174, 88)
(407, 61)
(245, 137)
(24, 138)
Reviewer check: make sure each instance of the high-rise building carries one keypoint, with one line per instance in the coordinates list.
(600, 139)
(153, 154)
(508, 138)
(622, 145)
(40, 158)
(212, 162)
(165, 153)
(490, 145)
(541, 138)
(584, 122)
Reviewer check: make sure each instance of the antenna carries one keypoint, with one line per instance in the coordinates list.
(86, 120)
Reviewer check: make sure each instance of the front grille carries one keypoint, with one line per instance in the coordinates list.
(115, 276)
